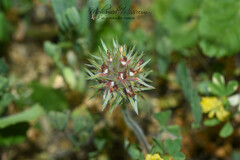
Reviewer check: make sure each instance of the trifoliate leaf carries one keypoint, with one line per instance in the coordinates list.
(163, 117)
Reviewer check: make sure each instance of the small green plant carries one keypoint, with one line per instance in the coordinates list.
(218, 105)
(162, 148)
(19, 120)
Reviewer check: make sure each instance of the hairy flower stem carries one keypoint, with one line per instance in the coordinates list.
(137, 130)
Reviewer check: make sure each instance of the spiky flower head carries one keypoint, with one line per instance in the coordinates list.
(120, 75)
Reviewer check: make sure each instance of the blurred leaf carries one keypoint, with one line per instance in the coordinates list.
(13, 134)
(82, 120)
(81, 82)
(219, 27)
(4, 28)
(231, 87)
(11, 140)
(181, 22)
(218, 87)
(5, 100)
(70, 77)
(3, 66)
(126, 4)
(28, 115)
(157, 147)
(235, 155)
(226, 130)
(159, 8)
(134, 152)
(203, 87)
(84, 16)
(82, 125)
(53, 51)
(218, 79)
(211, 122)
(92, 4)
(173, 129)
(126, 143)
(66, 13)
(59, 120)
(172, 146)
(164, 49)
(50, 48)
(178, 156)
(3, 83)
(99, 143)
(163, 117)
(5, 4)
(73, 16)
(189, 91)
(50, 99)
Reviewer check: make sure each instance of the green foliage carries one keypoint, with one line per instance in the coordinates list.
(164, 50)
(179, 156)
(53, 51)
(163, 117)
(219, 88)
(49, 98)
(211, 122)
(82, 120)
(81, 130)
(5, 100)
(59, 120)
(5, 96)
(13, 134)
(159, 8)
(172, 146)
(157, 147)
(69, 75)
(189, 91)
(99, 143)
(181, 22)
(235, 155)
(173, 129)
(82, 126)
(66, 14)
(4, 28)
(226, 130)
(75, 79)
(5, 4)
(133, 150)
(219, 27)
(213, 26)
(3, 84)
(169, 148)
(3, 66)
(8, 141)
(26, 116)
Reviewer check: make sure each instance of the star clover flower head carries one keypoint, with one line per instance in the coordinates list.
(120, 75)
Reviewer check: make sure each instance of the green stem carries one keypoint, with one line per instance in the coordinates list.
(137, 130)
